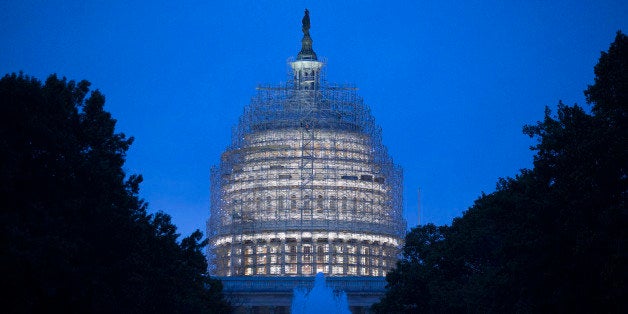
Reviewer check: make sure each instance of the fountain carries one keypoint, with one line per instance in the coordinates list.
(320, 299)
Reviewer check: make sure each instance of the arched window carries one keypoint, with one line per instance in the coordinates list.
(293, 202)
(319, 203)
(280, 203)
(306, 202)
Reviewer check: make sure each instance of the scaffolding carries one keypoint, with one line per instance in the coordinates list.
(306, 185)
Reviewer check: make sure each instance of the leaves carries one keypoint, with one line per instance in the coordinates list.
(552, 239)
(75, 235)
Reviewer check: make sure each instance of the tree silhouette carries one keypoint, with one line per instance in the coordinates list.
(552, 239)
(75, 236)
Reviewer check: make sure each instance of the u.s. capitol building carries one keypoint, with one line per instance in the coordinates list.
(306, 186)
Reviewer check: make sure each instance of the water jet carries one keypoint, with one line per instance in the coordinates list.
(319, 299)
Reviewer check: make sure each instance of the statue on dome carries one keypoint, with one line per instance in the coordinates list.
(306, 23)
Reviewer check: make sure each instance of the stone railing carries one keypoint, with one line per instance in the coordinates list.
(349, 284)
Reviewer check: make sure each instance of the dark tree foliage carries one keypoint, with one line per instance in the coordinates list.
(552, 239)
(75, 236)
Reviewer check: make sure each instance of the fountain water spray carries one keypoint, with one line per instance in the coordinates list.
(320, 299)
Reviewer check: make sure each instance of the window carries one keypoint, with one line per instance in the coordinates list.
(351, 249)
(306, 269)
(306, 202)
(337, 270)
(319, 203)
(338, 248)
(280, 202)
(322, 269)
(293, 202)
(291, 269)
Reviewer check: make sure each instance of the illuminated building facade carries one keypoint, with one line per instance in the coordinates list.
(306, 186)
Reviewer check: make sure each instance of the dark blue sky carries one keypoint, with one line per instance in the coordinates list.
(450, 82)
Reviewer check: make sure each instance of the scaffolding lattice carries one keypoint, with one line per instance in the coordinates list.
(306, 186)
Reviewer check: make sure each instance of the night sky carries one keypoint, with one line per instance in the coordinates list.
(450, 82)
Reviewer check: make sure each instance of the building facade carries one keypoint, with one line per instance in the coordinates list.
(306, 186)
